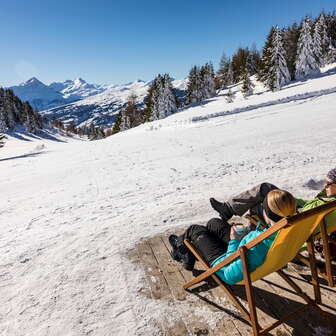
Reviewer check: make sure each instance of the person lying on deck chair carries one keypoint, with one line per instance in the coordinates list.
(218, 239)
(252, 200)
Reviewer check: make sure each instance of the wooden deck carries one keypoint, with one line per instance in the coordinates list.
(274, 299)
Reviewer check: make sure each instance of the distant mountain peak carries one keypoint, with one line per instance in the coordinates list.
(32, 80)
(79, 80)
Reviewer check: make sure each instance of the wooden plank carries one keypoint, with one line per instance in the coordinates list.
(159, 288)
(194, 323)
(309, 319)
(168, 267)
(155, 279)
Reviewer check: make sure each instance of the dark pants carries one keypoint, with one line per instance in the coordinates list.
(211, 241)
(251, 200)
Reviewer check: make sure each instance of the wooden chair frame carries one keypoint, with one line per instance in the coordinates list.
(328, 272)
(251, 314)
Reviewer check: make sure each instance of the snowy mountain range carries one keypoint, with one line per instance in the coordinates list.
(82, 103)
(42, 96)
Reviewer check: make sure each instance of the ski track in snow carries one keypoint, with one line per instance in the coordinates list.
(69, 216)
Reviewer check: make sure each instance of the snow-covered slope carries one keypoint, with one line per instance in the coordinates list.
(103, 108)
(71, 211)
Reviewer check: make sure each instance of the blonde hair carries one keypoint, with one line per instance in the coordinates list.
(281, 202)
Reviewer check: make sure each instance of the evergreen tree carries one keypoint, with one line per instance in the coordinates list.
(253, 60)
(306, 63)
(230, 75)
(131, 115)
(148, 102)
(290, 40)
(125, 123)
(14, 112)
(3, 115)
(201, 83)
(239, 64)
(331, 55)
(223, 76)
(161, 100)
(320, 40)
(117, 123)
(331, 28)
(207, 81)
(230, 96)
(247, 88)
(266, 59)
(194, 86)
(278, 71)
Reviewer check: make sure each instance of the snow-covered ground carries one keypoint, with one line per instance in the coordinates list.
(71, 210)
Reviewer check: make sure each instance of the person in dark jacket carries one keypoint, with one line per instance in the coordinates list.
(217, 240)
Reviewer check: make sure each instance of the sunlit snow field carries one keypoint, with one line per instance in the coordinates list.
(71, 210)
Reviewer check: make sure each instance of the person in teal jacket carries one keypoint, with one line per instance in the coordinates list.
(217, 240)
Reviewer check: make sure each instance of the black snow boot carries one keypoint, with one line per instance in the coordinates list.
(188, 261)
(181, 253)
(224, 209)
(176, 245)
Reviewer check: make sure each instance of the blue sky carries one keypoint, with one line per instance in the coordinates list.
(120, 41)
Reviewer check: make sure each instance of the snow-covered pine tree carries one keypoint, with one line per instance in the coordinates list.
(290, 40)
(266, 59)
(131, 115)
(320, 40)
(207, 81)
(100, 134)
(278, 71)
(239, 60)
(247, 88)
(117, 123)
(223, 78)
(306, 63)
(230, 96)
(331, 55)
(3, 116)
(148, 102)
(125, 123)
(161, 100)
(230, 74)
(13, 111)
(253, 60)
(170, 101)
(11, 106)
(330, 19)
(28, 118)
(194, 86)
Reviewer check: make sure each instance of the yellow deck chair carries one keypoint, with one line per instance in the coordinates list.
(292, 233)
(322, 232)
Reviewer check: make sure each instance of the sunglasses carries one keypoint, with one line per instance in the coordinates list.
(328, 184)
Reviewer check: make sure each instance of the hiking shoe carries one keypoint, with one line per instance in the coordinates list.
(175, 244)
(188, 261)
(224, 209)
(180, 253)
